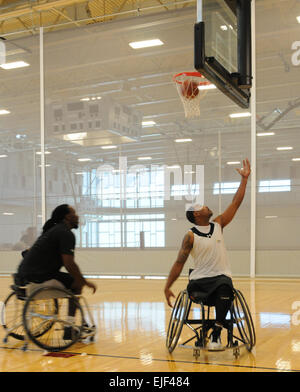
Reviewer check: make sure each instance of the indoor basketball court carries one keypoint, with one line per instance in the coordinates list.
(131, 112)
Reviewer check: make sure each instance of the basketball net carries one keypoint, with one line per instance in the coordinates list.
(191, 87)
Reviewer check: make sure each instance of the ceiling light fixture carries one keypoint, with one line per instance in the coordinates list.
(144, 158)
(148, 123)
(284, 148)
(240, 115)
(84, 159)
(183, 140)
(14, 65)
(108, 147)
(4, 111)
(265, 134)
(233, 163)
(207, 87)
(145, 44)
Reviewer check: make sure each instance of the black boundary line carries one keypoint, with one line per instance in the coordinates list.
(159, 360)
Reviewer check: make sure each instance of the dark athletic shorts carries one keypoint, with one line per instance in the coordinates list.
(202, 289)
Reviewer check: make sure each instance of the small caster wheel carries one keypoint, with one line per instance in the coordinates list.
(196, 352)
(5, 340)
(236, 353)
(24, 348)
(92, 339)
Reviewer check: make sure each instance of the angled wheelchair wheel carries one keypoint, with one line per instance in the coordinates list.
(243, 320)
(46, 320)
(11, 316)
(177, 319)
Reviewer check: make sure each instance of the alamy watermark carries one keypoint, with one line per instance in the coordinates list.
(179, 182)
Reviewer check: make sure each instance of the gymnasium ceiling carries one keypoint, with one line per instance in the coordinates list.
(99, 32)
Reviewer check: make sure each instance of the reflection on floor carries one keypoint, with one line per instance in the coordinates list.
(132, 319)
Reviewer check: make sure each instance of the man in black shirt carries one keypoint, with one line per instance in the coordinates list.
(53, 250)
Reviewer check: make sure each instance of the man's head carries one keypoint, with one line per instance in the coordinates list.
(67, 214)
(199, 215)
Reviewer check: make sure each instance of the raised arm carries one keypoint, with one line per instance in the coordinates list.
(183, 254)
(227, 216)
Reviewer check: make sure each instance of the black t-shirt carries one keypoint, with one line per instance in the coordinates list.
(44, 257)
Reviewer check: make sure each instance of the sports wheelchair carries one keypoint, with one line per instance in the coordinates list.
(39, 313)
(239, 324)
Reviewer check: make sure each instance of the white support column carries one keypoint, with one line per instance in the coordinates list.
(199, 11)
(253, 147)
(42, 124)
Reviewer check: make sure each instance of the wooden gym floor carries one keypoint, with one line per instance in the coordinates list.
(132, 318)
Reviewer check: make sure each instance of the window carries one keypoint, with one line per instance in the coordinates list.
(104, 231)
(226, 188)
(274, 186)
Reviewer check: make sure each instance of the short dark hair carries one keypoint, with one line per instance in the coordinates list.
(190, 216)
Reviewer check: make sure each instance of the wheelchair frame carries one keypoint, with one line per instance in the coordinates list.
(47, 297)
(240, 317)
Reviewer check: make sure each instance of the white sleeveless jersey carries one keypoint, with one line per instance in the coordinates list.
(209, 253)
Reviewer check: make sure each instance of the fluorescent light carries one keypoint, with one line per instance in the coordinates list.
(271, 216)
(14, 65)
(207, 87)
(108, 147)
(75, 136)
(4, 111)
(8, 213)
(173, 167)
(46, 152)
(84, 159)
(79, 173)
(48, 165)
(155, 277)
(3, 156)
(148, 123)
(146, 44)
(182, 140)
(144, 158)
(294, 159)
(233, 163)
(85, 99)
(298, 18)
(237, 115)
(265, 134)
(224, 27)
(284, 148)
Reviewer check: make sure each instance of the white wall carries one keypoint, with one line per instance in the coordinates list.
(156, 262)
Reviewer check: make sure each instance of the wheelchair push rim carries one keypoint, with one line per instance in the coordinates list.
(243, 320)
(177, 319)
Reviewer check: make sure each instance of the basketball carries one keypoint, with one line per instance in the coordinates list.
(189, 89)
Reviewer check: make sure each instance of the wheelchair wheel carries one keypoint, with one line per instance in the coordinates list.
(11, 316)
(243, 320)
(47, 309)
(177, 320)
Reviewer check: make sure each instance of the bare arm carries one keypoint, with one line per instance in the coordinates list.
(183, 254)
(227, 216)
(74, 271)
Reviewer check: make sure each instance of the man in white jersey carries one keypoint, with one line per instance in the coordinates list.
(210, 279)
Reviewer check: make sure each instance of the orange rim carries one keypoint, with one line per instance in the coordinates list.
(195, 74)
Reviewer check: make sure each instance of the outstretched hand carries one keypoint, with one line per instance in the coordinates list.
(245, 170)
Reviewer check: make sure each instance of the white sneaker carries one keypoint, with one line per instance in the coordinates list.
(215, 344)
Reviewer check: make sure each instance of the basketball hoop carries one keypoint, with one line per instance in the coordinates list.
(191, 87)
